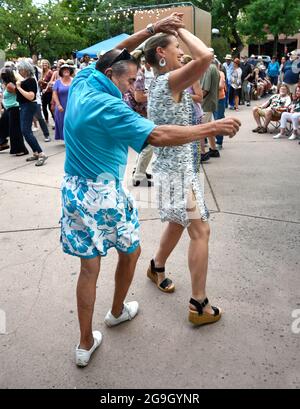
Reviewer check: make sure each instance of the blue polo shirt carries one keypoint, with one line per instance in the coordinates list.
(291, 71)
(99, 128)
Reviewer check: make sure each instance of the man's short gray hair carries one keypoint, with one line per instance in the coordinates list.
(26, 66)
(121, 67)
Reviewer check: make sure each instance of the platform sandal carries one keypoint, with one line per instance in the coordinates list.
(166, 285)
(200, 317)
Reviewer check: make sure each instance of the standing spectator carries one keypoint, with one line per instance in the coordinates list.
(197, 97)
(252, 61)
(140, 95)
(46, 89)
(149, 75)
(85, 62)
(273, 71)
(60, 97)
(235, 84)
(280, 77)
(26, 96)
(10, 119)
(54, 78)
(228, 65)
(39, 117)
(246, 86)
(291, 70)
(210, 89)
(220, 113)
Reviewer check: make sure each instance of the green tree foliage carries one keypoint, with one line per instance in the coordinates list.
(28, 29)
(225, 15)
(279, 17)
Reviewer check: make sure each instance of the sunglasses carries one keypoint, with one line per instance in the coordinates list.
(123, 56)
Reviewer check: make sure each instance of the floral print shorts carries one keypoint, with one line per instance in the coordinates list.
(95, 217)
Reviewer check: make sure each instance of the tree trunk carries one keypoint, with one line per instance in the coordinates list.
(238, 42)
(275, 46)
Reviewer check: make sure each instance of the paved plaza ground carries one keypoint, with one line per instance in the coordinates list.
(253, 192)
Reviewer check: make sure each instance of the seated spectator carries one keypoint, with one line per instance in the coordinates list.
(293, 115)
(272, 109)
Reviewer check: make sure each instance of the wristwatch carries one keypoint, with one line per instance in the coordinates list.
(150, 28)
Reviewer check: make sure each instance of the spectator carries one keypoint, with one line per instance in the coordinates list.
(291, 70)
(60, 97)
(293, 115)
(246, 86)
(10, 120)
(272, 109)
(220, 113)
(197, 97)
(273, 71)
(26, 96)
(46, 89)
(85, 62)
(228, 65)
(235, 84)
(252, 61)
(210, 88)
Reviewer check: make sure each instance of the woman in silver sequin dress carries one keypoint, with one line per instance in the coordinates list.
(180, 193)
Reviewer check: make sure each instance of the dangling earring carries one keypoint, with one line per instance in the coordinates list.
(162, 62)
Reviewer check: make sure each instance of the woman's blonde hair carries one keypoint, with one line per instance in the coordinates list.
(46, 62)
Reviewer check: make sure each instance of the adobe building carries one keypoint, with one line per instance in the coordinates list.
(196, 20)
(285, 44)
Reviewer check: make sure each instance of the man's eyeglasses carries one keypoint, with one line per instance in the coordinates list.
(123, 56)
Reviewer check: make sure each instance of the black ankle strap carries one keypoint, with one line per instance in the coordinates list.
(199, 305)
(156, 269)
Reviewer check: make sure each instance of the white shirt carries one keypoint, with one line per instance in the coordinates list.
(149, 75)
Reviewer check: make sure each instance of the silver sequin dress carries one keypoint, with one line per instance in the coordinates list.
(174, 168)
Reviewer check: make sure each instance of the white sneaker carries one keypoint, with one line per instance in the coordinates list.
(82, 356)
(130, 310)
(277, 136)
(34, 129)
(47, 139)
(292, 137)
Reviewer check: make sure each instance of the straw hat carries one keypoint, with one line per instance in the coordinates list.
(70, 68)
(227, 57)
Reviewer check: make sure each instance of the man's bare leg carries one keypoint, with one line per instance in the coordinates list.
(123, 278)
(86, 296)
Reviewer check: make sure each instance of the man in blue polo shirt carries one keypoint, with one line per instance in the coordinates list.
(291, 70)
(97, 214)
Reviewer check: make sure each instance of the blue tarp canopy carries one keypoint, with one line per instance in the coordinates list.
(105, 45)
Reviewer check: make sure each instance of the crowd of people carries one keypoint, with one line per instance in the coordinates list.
(31, 92)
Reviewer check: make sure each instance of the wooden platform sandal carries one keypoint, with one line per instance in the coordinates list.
(201, 317)
(166, 285)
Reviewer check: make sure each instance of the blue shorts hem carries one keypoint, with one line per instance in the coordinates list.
(83, 256)
(129, 251)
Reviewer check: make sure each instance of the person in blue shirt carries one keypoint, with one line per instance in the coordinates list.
(273, 71)
(228, 66)
(97, 213)
(291, 71)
